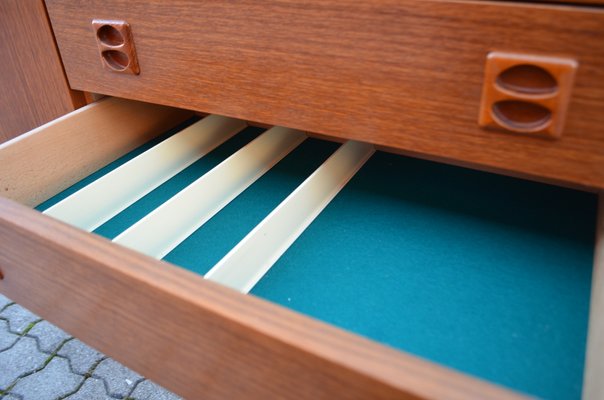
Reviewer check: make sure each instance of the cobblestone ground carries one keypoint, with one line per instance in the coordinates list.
(38, 361)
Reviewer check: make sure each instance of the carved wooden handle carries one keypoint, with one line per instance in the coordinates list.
(526, 93)
(116, 46)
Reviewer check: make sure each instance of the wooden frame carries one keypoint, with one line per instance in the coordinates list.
(221, 343)
(32, 80)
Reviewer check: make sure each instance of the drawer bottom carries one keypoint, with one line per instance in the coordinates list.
(487, 274)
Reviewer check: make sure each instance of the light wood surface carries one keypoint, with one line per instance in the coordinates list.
(197, 338)
(593, 386)
(33, 86)
(404, 74)
(103, 199)
(48, 159)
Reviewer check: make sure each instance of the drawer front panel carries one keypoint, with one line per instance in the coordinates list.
(403, 74)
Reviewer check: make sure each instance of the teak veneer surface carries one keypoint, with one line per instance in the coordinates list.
(404, 74)
(33, 85)
(214, 343)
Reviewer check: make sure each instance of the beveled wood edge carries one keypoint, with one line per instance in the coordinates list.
(195, 337)
(42, 162)
(593, 384)
(78, 98)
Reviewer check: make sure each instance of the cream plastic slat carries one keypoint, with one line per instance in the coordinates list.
(593, 384)
(98, 202)
(171, 223)
(247, 262)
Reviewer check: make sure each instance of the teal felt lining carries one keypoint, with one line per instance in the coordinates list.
(200, 251)
(487, 274)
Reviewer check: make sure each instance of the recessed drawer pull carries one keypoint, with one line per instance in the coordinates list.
(247, 262)
(171, 223)
(98, 202)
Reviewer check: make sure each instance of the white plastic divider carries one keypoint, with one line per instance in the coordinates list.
(247, 262)
(168, 225)
(96, 203)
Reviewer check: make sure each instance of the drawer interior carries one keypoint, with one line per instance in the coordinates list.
(486, 274)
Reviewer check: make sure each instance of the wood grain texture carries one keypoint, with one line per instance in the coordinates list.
(198, 338)
(579, 2)
(48, 159)
(404, 74)
(593, 386)
(32, 81)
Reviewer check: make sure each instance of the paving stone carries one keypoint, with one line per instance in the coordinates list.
(7, 339)
(49, 336)
(119, 380)
(54, 381)
(22, 361)
(18, 318)
(10, 397)
(23, 358)
(81, 357)
(92, 389)
(4, 301)
(147, 390)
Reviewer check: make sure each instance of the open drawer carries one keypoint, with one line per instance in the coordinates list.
(488, 276)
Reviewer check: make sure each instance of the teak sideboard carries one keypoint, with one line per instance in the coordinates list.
(410, 191)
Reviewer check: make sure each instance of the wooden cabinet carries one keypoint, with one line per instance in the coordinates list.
(32, 81)
(453, 283)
